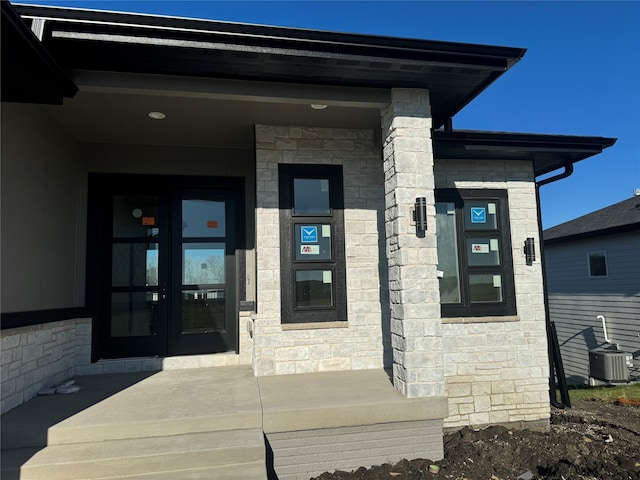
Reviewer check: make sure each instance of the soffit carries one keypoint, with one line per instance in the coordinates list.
(454, 73)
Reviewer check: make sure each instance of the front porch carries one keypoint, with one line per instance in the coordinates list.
(221, 423)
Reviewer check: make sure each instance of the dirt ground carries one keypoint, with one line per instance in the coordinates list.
(591, 440)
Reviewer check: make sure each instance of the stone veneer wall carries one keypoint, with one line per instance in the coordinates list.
(41, 356)
(360, 344)
(497, 371)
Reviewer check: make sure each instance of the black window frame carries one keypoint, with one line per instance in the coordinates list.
(289, 265)
(593, 273)
(465, 308)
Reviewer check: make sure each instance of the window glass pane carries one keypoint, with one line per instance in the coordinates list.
(484, 288)
(134, 265)
(447, 253)
(203, 311)
(203, 218)
(203, 263)
(311, 196)
(135, 216)
(479, 215)
(314, 288)
(134, 314)
(598, 264)
(313, 241)
(483, 251)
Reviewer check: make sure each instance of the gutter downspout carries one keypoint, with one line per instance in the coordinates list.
(555, 360)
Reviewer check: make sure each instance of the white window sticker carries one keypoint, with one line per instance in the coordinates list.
(491, 208)
(326, 230)
(493, 243)
(326, 276)
(310, 249)
(479, 248)
(497, 281)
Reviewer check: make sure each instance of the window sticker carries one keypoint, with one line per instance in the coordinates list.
(491, 208)
(310, 249)
(478, 215)
(309, 234)
(148, 221)
(497, 281)
(326, 230)
(479, 248)
(326, 276)
(493, 243)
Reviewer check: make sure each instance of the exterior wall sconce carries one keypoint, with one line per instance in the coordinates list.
(420, 214)
(530, 250)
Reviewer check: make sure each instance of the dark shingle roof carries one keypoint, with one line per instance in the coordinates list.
(619, 217)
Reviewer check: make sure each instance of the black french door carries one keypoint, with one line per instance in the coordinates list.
(165, 264)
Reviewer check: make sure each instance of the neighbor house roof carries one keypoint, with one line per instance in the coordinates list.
(454, 73)
(621, 217)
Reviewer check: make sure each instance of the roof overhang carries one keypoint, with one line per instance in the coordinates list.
(29, 73)
(547, 152)
(454, 73)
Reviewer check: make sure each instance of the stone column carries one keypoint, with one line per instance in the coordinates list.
(416, 327)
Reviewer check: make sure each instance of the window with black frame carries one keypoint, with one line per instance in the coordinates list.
(312, 260)
(475, 266)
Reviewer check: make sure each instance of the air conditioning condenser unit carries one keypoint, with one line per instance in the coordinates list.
(610, 365)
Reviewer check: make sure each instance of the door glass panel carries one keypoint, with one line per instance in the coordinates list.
(135, 216)
(480, 215)
(134, 314)
(484, 288)
(203, 218)
(203, 311)
(311, 196)
(134, 265)
(483, 251)
(314, 288)
(313, 241)
(203, 263)
(447, 253)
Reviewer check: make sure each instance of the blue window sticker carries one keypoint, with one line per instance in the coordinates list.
(309, 234)
(478, 215)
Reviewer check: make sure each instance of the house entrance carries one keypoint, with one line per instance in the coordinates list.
(165, 264)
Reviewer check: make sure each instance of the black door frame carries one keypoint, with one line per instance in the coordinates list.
(102, 187)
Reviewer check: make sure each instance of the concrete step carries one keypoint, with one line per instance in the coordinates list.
(229, 454)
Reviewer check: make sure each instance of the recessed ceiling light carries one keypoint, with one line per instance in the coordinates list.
(157, 115)
(318, 106)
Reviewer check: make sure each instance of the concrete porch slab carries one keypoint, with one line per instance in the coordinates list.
(312, 401)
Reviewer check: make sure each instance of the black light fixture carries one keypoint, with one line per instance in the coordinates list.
(420, 214)
(530, 250)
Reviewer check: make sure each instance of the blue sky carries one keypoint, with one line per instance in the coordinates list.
(580, 75)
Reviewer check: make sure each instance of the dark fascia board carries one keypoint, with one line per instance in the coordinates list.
(455, 73)
(547, 152)
(29, 73)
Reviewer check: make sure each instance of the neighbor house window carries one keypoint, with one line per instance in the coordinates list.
(598, 263)
(312, 260)
(475, 267)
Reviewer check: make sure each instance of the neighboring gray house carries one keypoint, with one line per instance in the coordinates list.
(182, 193)
(593, 269)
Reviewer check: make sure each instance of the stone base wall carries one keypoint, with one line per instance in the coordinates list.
(41, 356)
(303, 454)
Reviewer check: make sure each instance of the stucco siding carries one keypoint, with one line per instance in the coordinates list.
(42, 241)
